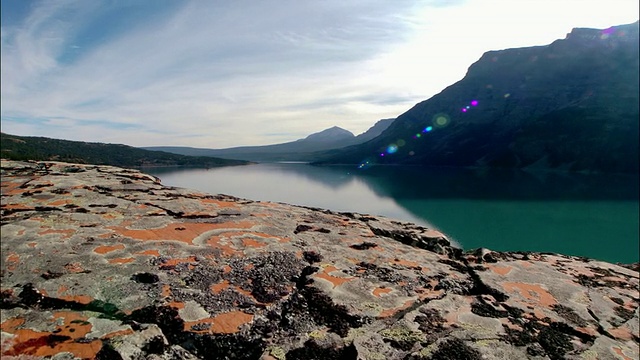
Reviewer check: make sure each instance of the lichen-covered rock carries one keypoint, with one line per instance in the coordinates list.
(100, 262)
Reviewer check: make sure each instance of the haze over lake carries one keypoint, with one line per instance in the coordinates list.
(575, 214)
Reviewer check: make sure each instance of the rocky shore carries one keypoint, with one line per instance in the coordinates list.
(100, 262)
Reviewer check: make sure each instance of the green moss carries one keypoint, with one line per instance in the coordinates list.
(317, 334)
(277, 352)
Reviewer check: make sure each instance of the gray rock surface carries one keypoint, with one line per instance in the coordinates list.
(100, 262)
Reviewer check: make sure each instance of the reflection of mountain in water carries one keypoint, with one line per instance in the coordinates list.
(405, 182)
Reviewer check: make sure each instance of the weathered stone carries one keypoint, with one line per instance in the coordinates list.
(99, 262)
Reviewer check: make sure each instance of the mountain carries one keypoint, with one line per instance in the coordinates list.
(300, 150)
(570, 105)
(45, 149)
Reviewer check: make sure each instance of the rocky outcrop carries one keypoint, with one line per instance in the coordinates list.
(100, 262)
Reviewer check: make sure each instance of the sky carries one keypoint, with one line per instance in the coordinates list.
(218, 74)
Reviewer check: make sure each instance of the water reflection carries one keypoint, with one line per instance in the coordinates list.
(588, 215)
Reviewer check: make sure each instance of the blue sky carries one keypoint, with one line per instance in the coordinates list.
(227, 73)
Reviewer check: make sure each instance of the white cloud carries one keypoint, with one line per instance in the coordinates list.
(221, 74)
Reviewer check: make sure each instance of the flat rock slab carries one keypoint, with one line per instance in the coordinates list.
(100, 262)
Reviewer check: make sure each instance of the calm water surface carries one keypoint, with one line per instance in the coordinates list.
(586, 215)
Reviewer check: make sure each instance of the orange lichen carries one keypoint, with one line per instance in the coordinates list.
(391, 312)
(13, 260)
(220, 203)
(166, 291)
(621, 333)
(336, 281)
(121, 260)
(229, 323)
(118, 333)
(216, 288)
(248, 242)
(185, 232)
(407, 263)
(176, 304)
(82, 299)
(500, 270)
(618, 351)
(59, 202)
(149, 252)
(74, 267)
(108, 248)
(379, 291)
(11, 325)
(75, 326)
(531, 292)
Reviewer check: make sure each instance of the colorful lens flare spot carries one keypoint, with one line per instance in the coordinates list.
(474, 102)
(392, 149)
(418, 135)
(428, 128)
(464, 110)
(441, 120)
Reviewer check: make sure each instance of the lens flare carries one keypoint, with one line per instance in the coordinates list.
(440, 120)
(474, 102)
(392, 148)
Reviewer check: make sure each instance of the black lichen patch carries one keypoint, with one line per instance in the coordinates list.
(313, 351)
(202, 276)
(312, 256)
(48, 275)
(225, 346)
(165, 317)
(302, 228)
(145, 278)
(569, 314)
(617, 300)
(455, 349)
(383, 274)
(155, 345)
(481, 308)
(430, 320)
(269, 277)
(624, 313)
(363, 246)
(554, 342)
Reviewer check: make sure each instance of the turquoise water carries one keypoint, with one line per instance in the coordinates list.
(586, 215)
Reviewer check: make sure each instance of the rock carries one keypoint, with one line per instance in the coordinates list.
(107, 263)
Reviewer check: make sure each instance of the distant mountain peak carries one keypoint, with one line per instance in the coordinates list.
(331, 134)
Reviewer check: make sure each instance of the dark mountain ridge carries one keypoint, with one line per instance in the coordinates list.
(46, 149)
(571, 105)
(300, 150)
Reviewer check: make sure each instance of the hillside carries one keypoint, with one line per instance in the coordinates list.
(570, 105)
(305, 149)
(41, 148)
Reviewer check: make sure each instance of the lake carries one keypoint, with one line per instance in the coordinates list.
(507, 210)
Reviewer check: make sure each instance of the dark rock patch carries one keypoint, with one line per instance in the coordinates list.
(302, 228)
(312, 256)
(363, 246)
(569, 315)
(455, 349)
(554, 342)
(145, 278)
(313, 351)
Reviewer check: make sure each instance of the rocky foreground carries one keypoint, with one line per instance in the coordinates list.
(100, 262)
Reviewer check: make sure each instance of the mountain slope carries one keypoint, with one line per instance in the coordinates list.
(41, 148)
(569, 105)
(299, 150)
